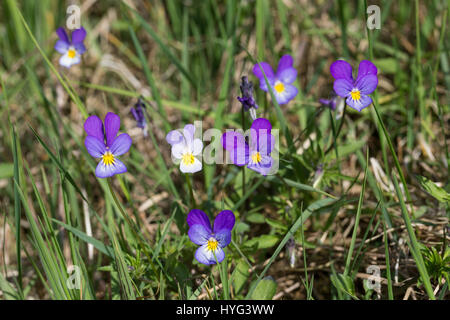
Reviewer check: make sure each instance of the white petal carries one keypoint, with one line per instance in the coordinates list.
(191, 168)
(178, 150)
(197, 147)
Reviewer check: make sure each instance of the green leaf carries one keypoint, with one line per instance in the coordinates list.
(6, 170)
(434, 190)
(263, 242)
(240, 276)
(265, 290)
(344, 283)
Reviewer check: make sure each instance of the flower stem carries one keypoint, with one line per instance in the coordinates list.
(243, 167)
(191, 191)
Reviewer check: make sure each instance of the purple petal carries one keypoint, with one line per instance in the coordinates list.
(95, 147)
(365, 68)
(94, 127)
(267, 70)
(367, 84)
(62, 34)
(174, 137)
(78, 35)
(121, 144)
(112, 125)
(287, 95)
(341, 69)
(261, 139)
(264, 166)
(80, 48)
(205, 256)
(234, 143)
(62, 46)
(197, 216)
(106, 171)
(223, 237)
(286, 62)
(287, 75)
(224, 221)
(342, 87)
(188, 133)
(198, 234)
(360, 104)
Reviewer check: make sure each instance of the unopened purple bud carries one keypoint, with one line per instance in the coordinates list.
(247, 99)
(138, 114)
(330, 103)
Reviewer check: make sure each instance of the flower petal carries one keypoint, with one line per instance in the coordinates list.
(205, 256)
(95, 147)
(197, 216)
(234, 143)
(106, 171)
(79, 48)
(360, 104)
(257, 71)
(67, 61)
(260, 134)
(78, 35)
(225, 220)
(197, 147)
(342, 87)
(178, 150)
(285, 62)
(191, 168)
(121, 144)
(174, 137)
(62, 34)
(223, 237)
(341, 69)
(263, 167)
(287, 75)
(94, 127)
(112, 125)
(367, 84)
(286, 95)
(188, 132)
(365, 68)
(198, 234)
(62, 46)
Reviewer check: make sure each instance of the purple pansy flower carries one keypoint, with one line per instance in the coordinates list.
(355, 91)
(281, 82)
(101, 142)
(212, 241)
(186, 148)
(256, 154)
(70, 50)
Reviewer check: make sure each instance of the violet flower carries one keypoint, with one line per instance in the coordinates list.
(355, 91)
(256, 154)
(212, 241)
(101, 142)
(281, 82)
(70, 50)
(138, 114)
(185, 148)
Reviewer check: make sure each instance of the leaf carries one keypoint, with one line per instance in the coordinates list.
(263, 242)
(83, 236)
(6, 170)
(434, 190)
(265, 290)
(343, 283)
(240, 276)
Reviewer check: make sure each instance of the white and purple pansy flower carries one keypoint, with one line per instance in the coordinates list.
(255, 154)
(102, 142)
(186, 148)
(71, 50)
(211, 241)
(355, 91)
(281, 81)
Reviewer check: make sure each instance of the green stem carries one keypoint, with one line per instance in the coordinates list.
(191, 191)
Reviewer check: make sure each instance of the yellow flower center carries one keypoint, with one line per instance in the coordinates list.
(356, 95)
(212, 244)
(279, 87)
(108, 158)
(256, 157)
(188, 159)
(71, 53)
